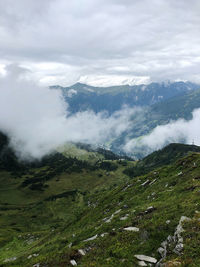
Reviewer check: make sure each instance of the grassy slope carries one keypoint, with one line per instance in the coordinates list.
(165, 156)
(32, 223)
(178, 107)
(71, 150)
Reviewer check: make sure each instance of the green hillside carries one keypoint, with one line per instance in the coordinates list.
(66, 210)
(165, 156)
(179, 106)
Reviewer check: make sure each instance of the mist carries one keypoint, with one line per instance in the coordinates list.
(180, 131)
(37, 121)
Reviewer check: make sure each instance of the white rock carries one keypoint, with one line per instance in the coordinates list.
(90, 239)
(179, 228)
(142, 263)
(73, 262)
(168, 221)
(124, 218)
(184, 218)
(82, 252)
(145, 258)
(108, 220)
(179, 247)
(29, 257)
(10, 259)
(150, 208)
(153, 182)
(146, 182)
(103, 234)
(131, 228)
(170, 239)
(117, 211)
(161, 251)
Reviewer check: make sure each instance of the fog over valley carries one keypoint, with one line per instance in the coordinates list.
(39, 120)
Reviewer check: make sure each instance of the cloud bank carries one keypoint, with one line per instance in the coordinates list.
(37, 120)
(173, 132)
(64, 41)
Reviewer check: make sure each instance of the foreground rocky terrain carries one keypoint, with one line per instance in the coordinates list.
(66, 211)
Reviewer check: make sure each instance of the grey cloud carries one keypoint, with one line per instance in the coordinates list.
(37, 120)
(153, 38)
(173, 132)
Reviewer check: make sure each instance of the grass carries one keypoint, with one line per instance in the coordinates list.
(32, 222)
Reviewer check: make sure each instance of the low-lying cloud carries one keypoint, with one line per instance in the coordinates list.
(37, 120)
(187, 131)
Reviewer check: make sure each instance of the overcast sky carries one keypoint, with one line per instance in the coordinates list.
(102, 41)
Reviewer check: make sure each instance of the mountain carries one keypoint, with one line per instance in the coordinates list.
(165, 156)
(65, 211)
(160, 102)
(178, 106)
(82, 97)
(144, 121)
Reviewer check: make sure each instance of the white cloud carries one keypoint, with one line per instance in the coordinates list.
(155, 39)
(112, 80)
(174, 132)
(37, 121)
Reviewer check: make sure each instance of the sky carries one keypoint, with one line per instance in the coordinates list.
(101, 42)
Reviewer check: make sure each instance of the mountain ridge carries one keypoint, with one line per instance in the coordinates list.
(81, 97)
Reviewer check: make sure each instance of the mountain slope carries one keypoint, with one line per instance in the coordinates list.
(160, 104)
(82, 97)
(91, 211)
(159, 114)
(179, 106)
(165, 156)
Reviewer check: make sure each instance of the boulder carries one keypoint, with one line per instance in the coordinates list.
(124, 218)
(90, 239)
(103, 234)
(142, 263)
(131, 228)
(145, 258)
(73, 262)
(10, 259)
(145, 183)
(81, 252)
